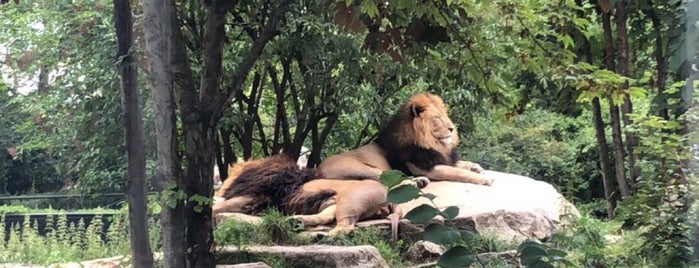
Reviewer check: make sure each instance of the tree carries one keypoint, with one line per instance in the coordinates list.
(200, 108)
(159, 26)
(135, 147)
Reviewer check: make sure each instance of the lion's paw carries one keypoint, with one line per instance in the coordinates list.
(469, 166)
(487, 181)
(421, 181)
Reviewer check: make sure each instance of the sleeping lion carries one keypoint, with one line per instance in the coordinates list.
(419, 140)
(277, 182)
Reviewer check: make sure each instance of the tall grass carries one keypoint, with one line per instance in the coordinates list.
(63, 241)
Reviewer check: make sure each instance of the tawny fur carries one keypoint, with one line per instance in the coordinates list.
(277, 182)
(420, 140)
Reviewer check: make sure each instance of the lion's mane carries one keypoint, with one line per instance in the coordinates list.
(406, 137)
(275, 182)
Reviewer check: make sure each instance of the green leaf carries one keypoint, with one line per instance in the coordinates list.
(369, 8)
(402, 194)
(450, 212)
(440, 234)
(457, 256)
(532, 254)
(429, 196)
(421, 213)
(391, 178)
(526, 244)
(557, 252)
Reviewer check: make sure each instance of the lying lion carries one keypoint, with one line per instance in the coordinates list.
(277, 182)
(419, 140)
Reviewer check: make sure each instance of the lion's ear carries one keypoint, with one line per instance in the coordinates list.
(416, 109)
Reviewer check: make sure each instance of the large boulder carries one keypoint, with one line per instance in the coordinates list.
(513, 208)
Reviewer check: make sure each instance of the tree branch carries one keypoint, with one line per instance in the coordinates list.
(269, 32)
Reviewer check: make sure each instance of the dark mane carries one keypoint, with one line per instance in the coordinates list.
(273, 181)
(398, 154)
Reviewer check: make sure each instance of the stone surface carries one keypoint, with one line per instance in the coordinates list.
(424, 251)
(314, 256)
(513, 208)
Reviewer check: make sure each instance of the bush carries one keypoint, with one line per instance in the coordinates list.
(540, 144)
(63, 242)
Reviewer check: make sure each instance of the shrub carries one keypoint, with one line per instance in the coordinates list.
(540, 144)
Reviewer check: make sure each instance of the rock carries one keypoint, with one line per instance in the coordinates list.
(424, 251)
(310, 256)
(513, 208)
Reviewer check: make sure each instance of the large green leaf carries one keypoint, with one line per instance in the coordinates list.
(450, 212)
(391, 178)
(531, 252)
(421, 213)
(440, 234)
(457, 256)
(402, 194)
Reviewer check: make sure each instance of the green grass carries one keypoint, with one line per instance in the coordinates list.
(63, 241)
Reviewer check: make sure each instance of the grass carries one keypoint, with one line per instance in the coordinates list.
(277, 229)
(65, 241)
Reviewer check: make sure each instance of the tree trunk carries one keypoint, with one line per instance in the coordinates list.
(627, 107)
(228, 154)
(614, 111)
(159, 23)
(198, 125)
(141, 253)
(603, 156)
(618, 149)
(602, 148)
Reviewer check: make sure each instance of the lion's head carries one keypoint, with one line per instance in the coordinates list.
(423, 121)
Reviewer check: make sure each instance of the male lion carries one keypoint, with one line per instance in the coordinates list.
(419, 140)
(278, 182)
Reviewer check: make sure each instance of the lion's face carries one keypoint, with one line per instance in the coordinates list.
(431, 122)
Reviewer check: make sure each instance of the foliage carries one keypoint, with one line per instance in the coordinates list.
(462, 245)
(535, 254)
(659, 208)
(275, 228)
(63, 242)
(590, 242)
(544, 145)
(278, 229)
(72, 117)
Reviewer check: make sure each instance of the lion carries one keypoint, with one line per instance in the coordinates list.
(277, 182)
(419, 140)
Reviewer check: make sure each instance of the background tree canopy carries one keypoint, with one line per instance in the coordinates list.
(591, 96)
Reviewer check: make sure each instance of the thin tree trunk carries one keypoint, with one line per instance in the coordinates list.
(141, 253)
(602, 148)
(603, 156)
(159, 23)
(661, 62)
(228, 154)
(627, 107)
(619, 169)
(614, 111)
